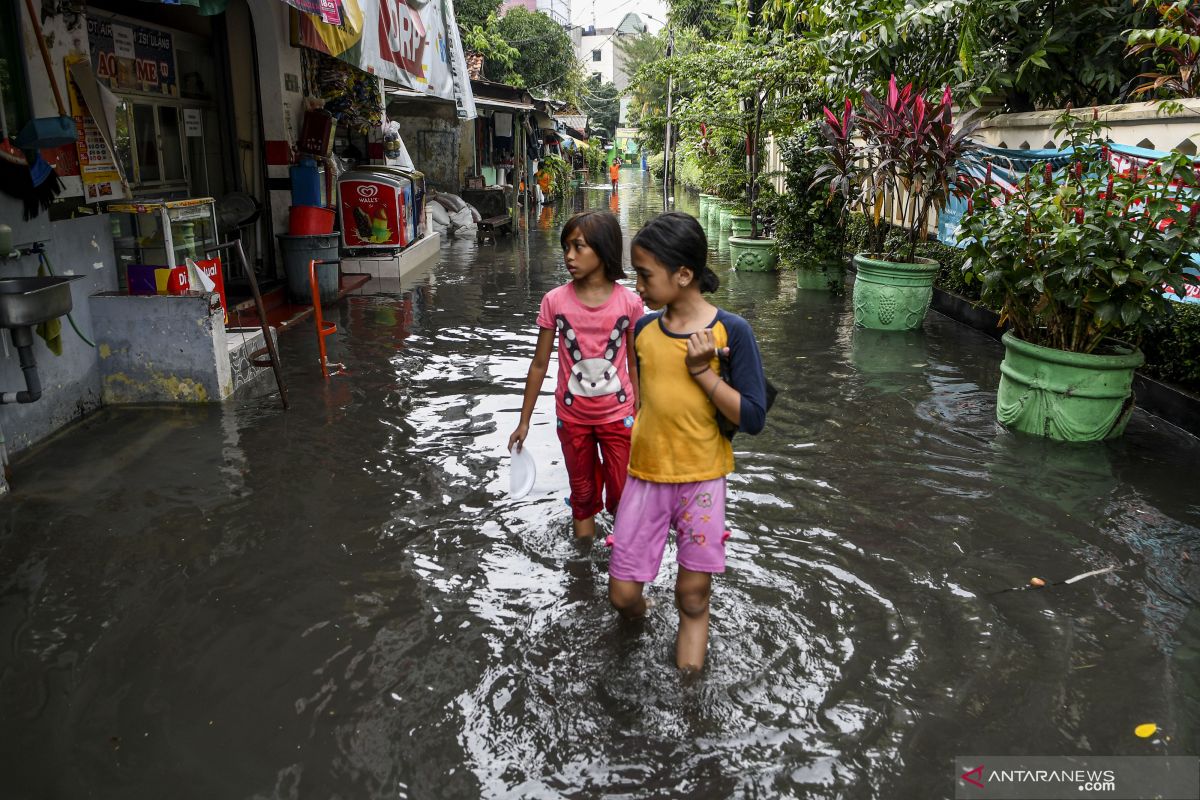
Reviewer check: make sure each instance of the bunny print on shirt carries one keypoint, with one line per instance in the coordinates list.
(593, 377)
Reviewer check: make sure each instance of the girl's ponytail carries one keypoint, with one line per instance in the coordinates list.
(677, 240)
(709, 282)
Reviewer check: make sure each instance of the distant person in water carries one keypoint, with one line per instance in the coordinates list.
(593, 317)
(614, 172)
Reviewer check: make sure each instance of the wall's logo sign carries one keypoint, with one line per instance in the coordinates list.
(977, 780)
(367, 191)
(402, 36)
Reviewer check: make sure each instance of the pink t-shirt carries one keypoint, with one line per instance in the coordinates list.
(593, 369)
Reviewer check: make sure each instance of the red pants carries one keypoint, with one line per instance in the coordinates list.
(597, 457)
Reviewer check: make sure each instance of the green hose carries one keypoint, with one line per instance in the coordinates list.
(70, 318)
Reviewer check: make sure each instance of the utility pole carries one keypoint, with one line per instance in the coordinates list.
(668, 148)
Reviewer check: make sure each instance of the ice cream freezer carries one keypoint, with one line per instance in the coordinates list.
(381, 208)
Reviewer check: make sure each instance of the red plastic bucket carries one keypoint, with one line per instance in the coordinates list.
(310, 220)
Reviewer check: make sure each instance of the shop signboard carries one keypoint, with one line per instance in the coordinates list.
(132, 58)
(412, 43)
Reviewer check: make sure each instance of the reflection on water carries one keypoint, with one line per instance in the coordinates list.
(340, 601)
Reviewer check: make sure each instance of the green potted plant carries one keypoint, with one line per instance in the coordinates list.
(810, 231)
(1076, 261)
(898, 161)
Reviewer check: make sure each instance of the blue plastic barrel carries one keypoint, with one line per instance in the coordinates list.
(306, 184)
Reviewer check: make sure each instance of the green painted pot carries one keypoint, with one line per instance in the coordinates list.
(752, 255)
(724, 220)
(1070, 397)
(714, 211)
(705, 202)
(740, 224)
(891, 295)
(819, 279)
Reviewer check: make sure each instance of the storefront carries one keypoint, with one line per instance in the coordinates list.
(500, 133)
(175, 103)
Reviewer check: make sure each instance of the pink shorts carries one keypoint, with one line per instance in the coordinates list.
(648, 510)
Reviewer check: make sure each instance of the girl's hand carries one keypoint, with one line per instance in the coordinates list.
(701, 350)
(518, 437)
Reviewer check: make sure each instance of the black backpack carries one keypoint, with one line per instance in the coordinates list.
(727, 428)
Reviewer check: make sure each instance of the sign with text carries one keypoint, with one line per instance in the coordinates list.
(132, 58)
(409, 42)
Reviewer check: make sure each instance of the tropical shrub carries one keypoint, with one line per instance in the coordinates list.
(1081, 254)
(900, 155)
(808, 226)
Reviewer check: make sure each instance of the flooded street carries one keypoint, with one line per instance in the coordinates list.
(340, 601)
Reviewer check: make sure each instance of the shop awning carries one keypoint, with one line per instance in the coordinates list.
(495, 102)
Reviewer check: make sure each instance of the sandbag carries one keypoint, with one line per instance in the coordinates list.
(461, 219)
(475, 215)
(451, 201)
(440, 215)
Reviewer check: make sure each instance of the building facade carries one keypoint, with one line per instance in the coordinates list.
(599, 50)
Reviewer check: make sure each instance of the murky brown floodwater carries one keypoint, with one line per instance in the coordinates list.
(340, 602)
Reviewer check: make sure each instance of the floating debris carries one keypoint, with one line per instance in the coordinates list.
(1040, 583)
(1145, 730)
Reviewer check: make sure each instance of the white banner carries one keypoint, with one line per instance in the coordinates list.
(412, 43)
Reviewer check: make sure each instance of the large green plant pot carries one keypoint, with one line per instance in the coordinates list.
(891, 295)
(724, 222)
(752, 255)
(824, 278)
(1071, 397)
(739, 224)
(705, 202)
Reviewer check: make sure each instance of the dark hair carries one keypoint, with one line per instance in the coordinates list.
(677, 240)
(602, 232)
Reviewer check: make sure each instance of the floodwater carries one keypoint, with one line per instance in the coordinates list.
(340, 601)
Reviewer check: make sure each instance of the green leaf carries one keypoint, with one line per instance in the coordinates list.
(1130, 312)
(1119, 276)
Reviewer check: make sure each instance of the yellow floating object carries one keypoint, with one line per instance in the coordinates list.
(1146, 730)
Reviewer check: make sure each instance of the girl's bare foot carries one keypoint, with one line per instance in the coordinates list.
(584, 528)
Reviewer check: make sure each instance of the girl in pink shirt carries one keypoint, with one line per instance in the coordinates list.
(593, 317)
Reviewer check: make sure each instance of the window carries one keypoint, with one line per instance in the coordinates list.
(597, 55)
(12, 71)
(150, 143)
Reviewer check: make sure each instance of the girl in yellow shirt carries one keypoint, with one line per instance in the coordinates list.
(679, 458)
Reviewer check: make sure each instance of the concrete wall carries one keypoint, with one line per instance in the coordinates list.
(1134, 124)
(434, 136)
(71, 382)
(281, 108)
(161, 349)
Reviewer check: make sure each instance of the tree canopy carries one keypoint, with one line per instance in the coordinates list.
(600, 101)
(545, 59)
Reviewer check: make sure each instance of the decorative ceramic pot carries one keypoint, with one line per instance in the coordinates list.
(821, 279)
(1071, 397)
(725, 221)
(739, 224)
(752, 255)
(892, 295)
